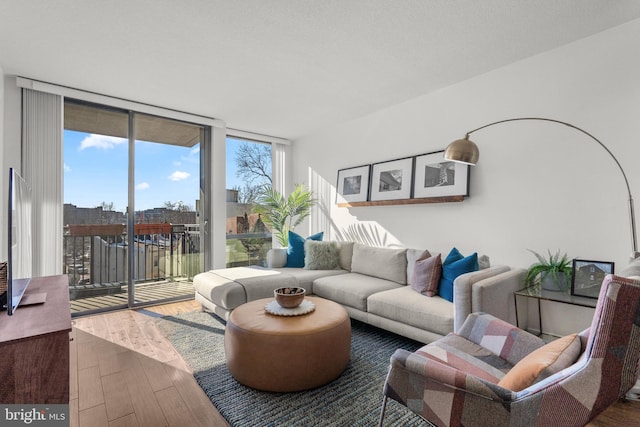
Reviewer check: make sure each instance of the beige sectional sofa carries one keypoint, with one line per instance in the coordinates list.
(374, 286)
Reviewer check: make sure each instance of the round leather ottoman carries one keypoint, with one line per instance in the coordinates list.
(287, 353)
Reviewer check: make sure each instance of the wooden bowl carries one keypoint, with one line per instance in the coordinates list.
(289, 297)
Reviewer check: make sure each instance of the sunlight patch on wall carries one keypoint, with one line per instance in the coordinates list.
(339, 223)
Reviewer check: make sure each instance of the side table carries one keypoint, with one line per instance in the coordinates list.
(556, 296)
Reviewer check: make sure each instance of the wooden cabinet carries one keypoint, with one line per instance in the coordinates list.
(34, 347)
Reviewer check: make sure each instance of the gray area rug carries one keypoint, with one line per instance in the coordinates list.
(353, 399)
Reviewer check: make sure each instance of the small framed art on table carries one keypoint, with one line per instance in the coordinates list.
(587, 277)
(353, 184)
(436, 177)
(392, 180)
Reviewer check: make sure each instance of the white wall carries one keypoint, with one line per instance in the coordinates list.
(9, 132)
(538, 186)
(10, 129)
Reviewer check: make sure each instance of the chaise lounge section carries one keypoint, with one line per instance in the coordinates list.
(374, 285)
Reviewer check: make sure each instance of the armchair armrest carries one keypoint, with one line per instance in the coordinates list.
(413, 369)
(507, 341)
(277, 257)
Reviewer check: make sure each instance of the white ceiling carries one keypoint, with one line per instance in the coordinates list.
(284, 68)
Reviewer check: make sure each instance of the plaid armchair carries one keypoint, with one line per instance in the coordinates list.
(454, 381)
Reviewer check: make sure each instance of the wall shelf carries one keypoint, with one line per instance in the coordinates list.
(443, 199)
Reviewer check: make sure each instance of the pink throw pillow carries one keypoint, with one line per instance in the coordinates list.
(426, 275)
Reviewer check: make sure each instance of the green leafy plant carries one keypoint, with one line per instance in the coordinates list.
(556, 268)
(284, 214)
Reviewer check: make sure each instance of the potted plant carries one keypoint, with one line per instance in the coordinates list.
(552, 273)
(284, 214)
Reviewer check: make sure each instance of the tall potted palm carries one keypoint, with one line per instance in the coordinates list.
(284, 214)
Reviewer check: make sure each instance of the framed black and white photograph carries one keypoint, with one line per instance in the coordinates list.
(392, 180)
(353, 184)
(436, 177)
(587, 277)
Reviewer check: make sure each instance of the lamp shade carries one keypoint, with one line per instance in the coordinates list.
(462, 151)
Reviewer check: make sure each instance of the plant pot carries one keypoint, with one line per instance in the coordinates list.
(550, 282)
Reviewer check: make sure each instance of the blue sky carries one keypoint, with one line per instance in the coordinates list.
(95, 171)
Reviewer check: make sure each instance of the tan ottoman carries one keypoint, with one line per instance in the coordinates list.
(287, 353)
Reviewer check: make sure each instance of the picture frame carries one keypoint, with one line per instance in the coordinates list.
(392, 180)
(587, 277)
(436, 177)
(353, 184)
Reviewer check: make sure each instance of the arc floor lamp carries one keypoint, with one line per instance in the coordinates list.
(466, 151)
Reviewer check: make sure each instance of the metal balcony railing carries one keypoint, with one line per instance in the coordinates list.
(95, 255)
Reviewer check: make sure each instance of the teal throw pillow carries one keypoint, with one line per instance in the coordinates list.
(295, 251)
(454, 265)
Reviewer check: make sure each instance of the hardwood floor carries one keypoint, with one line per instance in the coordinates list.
(125, 373)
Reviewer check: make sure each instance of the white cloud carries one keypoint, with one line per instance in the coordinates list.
(67, 168)
(142, 186)
(101, 141)
(179, 176)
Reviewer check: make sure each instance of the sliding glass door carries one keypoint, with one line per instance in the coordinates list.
(132, 194)
(166, 194)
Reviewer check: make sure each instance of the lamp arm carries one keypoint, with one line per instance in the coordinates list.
(634, 238)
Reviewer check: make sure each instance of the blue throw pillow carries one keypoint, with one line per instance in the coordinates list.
(454, 265)
(453, 256)
(295, 251)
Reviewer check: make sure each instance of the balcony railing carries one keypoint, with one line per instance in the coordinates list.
(95, 255)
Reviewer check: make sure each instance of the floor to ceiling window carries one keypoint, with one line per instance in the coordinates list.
(132, 200)
(248, 172)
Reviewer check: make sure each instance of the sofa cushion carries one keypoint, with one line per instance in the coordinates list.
(346, 254)
(633, 269)
(295, 251)
(321, 255)
(404, 305)
(351, 289)
(223, 292)
(305, 278)
(454, 265)
(484, 262)
(542, 363)
(384, 263)
(426, 275)
(230, 287)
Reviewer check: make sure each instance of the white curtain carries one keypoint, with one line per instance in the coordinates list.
(279, 167)
(42, 127)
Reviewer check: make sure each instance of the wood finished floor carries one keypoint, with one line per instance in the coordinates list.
(125, 373)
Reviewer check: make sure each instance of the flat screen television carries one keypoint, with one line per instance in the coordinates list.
(19, 253)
